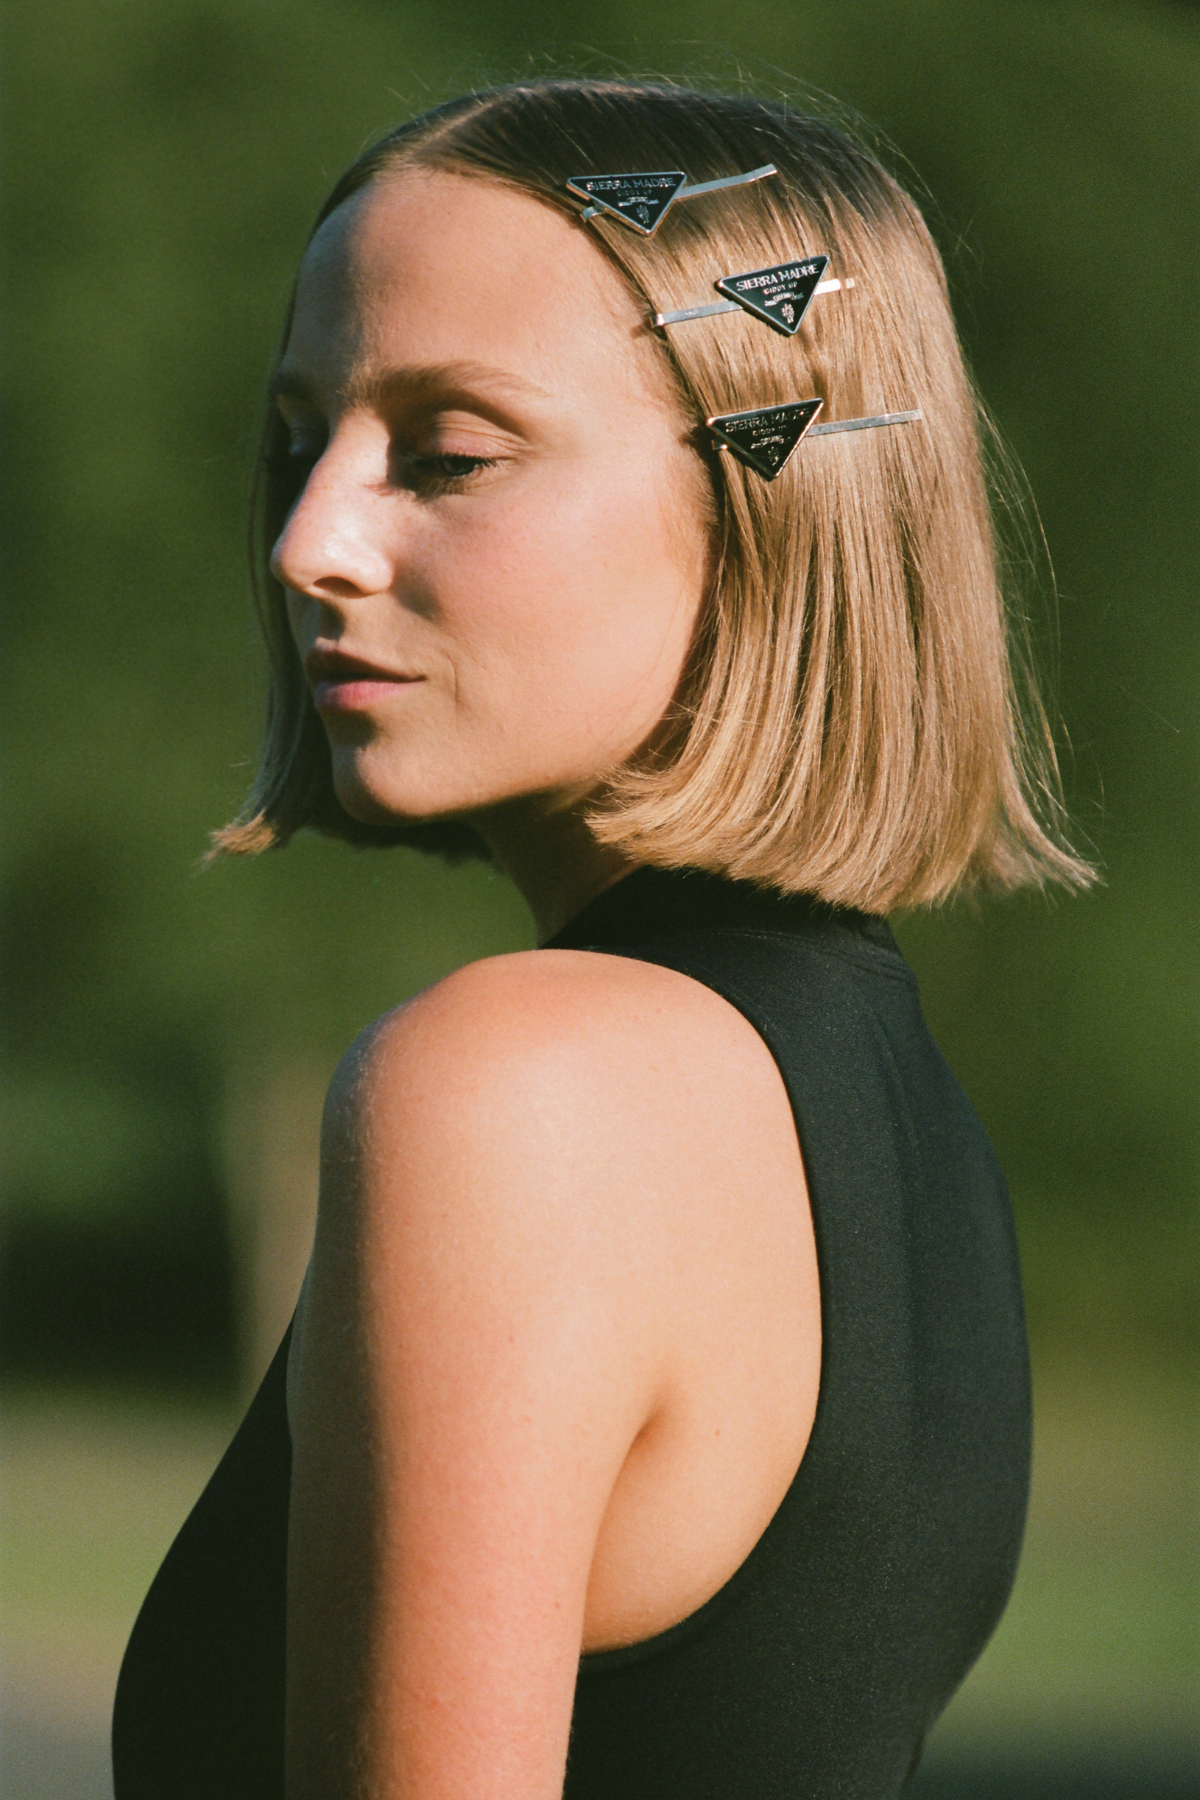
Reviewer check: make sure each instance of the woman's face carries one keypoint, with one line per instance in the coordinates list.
(495, 565)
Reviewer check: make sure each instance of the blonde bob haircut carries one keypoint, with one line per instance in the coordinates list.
(853, 721)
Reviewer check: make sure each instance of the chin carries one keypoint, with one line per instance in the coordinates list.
(385, 794)
(391, 803)
(372, 808)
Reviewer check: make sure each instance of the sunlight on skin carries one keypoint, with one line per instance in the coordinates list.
(503, 525)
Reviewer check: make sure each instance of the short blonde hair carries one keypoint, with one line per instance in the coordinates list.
(854, 721)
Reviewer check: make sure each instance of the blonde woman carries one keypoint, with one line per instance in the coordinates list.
(654, 1423)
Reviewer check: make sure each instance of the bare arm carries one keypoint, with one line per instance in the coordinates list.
(478, 1348)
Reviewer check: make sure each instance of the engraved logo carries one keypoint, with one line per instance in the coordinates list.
(765, 437)
(779, 296)
(640, 200)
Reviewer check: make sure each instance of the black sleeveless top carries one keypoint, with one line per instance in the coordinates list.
(816, 1670)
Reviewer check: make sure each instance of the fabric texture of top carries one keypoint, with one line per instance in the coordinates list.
(817, 1669)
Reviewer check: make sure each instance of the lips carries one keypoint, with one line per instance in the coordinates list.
(342, 682)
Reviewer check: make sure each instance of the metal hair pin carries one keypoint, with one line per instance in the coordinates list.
(765, 437)
(780, 296)
(642, 201)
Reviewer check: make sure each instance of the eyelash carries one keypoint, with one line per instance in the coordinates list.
(434, 466)
(440, 468)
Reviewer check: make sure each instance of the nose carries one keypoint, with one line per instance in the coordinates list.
(334, 545)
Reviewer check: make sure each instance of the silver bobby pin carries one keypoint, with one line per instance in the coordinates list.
(778, 296)
(765, 437)
(908, 418)
(643, 201)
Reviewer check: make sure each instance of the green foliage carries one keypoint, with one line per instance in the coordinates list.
(163, 159)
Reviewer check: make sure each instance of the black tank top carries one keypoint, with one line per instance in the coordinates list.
(814, 1673)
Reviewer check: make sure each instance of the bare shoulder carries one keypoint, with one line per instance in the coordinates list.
(553, 1050)
(539, 999)
(555, 1113)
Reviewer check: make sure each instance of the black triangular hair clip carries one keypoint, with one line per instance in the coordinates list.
(766, 437)
(643, 200)
(779, 296)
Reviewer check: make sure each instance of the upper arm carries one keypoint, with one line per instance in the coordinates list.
(479, 1346)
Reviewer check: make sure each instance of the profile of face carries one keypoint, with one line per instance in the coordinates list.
(502, 541)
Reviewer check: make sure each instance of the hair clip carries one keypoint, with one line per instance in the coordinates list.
(642, 201)
(765, 437)
(780, 296)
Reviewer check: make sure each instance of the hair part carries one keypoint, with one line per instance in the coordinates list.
(857, 720)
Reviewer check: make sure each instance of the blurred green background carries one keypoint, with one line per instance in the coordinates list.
(167, 1033)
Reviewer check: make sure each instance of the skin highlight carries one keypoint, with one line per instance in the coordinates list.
(523, 533)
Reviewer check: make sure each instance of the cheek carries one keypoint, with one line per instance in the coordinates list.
(589, 598)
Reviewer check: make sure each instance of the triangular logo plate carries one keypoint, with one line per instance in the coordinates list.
(640, 200)
(778, 296)
(765, 438)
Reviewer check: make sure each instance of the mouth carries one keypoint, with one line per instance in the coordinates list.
(344, 683)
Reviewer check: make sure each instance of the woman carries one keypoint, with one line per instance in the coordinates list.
(654, 1421)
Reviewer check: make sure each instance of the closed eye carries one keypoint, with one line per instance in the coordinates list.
(298, 447)
(444, 470)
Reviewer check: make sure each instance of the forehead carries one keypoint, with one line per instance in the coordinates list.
(425, 267)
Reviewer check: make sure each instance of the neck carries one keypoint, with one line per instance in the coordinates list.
(552, 859)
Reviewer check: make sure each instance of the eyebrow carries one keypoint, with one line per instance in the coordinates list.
(447, 382)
